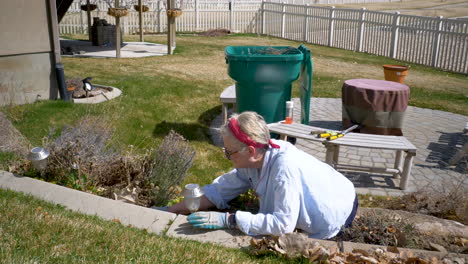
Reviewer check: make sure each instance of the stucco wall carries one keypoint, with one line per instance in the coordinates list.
(25, 78)
(27, 71)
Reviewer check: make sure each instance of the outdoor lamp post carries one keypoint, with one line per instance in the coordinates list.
(192, 195)
(38, 156)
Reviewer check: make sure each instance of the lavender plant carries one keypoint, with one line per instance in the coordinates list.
(81, 158)
(169, 166)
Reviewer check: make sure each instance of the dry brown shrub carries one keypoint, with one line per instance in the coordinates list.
(82, 150)
(378, 229)
(81, 157)
(451, 202)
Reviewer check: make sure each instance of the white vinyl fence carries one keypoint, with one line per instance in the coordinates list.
(436, 42)
(198, 15)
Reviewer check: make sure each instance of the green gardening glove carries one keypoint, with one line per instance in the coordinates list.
(209, 220)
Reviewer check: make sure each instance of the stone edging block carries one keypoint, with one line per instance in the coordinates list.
(180, 228)
(155, 221)
(128, 214)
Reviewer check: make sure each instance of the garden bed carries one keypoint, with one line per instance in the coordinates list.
(82, 159)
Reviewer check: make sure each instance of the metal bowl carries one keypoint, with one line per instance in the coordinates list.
(38, 157)
(37, 154)
(192, 190)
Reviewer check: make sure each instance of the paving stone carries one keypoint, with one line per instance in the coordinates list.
(381, 192)
(378, 159)
(395, 193)
(422, 127)
(362, 190)
(128, 50)
(344, 160)
(354, 157)
(363, 152)
(381, 165)
(366, 158)
(387, 155)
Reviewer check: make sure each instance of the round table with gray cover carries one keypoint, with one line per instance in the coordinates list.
(378, 105)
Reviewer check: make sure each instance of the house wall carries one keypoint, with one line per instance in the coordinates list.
(27, 71)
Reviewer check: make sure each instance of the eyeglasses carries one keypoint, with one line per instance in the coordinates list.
(228, 153)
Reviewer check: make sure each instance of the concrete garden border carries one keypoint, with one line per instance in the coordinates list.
(154, 221)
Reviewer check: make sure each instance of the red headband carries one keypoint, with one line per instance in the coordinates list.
(242, 137)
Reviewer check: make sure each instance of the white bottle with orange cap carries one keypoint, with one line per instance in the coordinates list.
(289, 112)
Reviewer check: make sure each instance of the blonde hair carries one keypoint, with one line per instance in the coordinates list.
(253, 125)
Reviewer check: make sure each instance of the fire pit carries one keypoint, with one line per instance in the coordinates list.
(83, 91)
(101, 93)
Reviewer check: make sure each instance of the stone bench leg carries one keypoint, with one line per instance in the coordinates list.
(460, 154)
(224, 109)
(398, 163)
(336, 154)
(406, 169)
(332, 154)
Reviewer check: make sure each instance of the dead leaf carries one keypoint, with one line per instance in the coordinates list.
(413, 260)
(361, 251)
(369, 260)
(406, 254)
(460, 241)
(293, 245)
(434, 260)
(253, 242)
(393, 249)
(127, 194)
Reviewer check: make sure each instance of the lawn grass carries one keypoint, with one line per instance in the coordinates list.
(34, 231)
(181, 92)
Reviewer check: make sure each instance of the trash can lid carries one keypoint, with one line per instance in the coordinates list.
(263, 53)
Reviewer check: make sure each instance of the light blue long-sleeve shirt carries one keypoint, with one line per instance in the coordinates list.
(295, 191)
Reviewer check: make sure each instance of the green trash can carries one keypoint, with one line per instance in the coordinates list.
(264, 77)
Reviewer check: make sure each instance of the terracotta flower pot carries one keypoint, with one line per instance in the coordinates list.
(395, 73)
(71, 88)
(117, 12)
